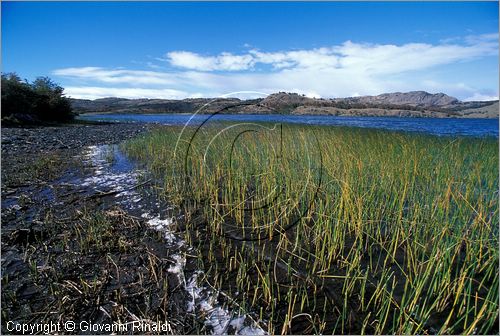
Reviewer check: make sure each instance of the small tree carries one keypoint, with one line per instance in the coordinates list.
(17, 96)
(41, 100)
(51, 104)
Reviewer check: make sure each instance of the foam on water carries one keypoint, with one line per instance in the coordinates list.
(203, 300)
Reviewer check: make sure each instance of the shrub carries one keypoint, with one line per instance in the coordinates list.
(39, 101)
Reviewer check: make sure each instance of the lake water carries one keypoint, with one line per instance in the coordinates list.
(436, 126)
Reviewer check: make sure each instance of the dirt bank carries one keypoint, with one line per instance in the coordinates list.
(86, 240)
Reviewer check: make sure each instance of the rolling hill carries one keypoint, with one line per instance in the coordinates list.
(401, 104)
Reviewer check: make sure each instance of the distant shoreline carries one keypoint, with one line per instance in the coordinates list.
(410, 104)
(292, 114)
(470, 127)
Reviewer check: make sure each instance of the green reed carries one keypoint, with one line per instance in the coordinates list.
(372, 231)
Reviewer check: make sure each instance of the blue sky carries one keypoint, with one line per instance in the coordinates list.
(326, 49)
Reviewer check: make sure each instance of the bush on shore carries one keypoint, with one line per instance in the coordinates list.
(32, 103)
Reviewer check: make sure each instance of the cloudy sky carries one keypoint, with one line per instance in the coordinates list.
(179, 50)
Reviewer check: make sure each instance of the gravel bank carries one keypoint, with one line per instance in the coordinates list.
(46, 139)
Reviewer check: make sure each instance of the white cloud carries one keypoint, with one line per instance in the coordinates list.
(319, 58)
(121, 76)
(334, 71)
(483, 38)
(224, 61)
(92, 92)
(371, 58)
(480, 97)
(393, 59)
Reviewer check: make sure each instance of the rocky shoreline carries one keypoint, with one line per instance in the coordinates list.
(70, 252)
(84, 239)
(59, 241)
(73, 136)
(26, 148)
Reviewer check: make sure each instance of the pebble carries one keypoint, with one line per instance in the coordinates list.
(42, 139)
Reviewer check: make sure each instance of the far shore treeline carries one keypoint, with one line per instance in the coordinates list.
(40, 101)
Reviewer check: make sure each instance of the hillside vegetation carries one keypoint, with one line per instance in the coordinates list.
(410, 104)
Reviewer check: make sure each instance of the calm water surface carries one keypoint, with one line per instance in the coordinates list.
(436, 126)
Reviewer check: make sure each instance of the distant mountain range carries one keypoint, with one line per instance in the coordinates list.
(407, 104)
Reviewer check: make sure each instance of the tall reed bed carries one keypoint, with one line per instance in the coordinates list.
(339, 230)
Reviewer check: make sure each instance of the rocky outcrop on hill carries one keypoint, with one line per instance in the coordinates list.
(409, 104)
(368, 112)
(413, 98)
(486, 111)
(122, 105)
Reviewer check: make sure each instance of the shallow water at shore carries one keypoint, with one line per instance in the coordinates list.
(115, 173)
